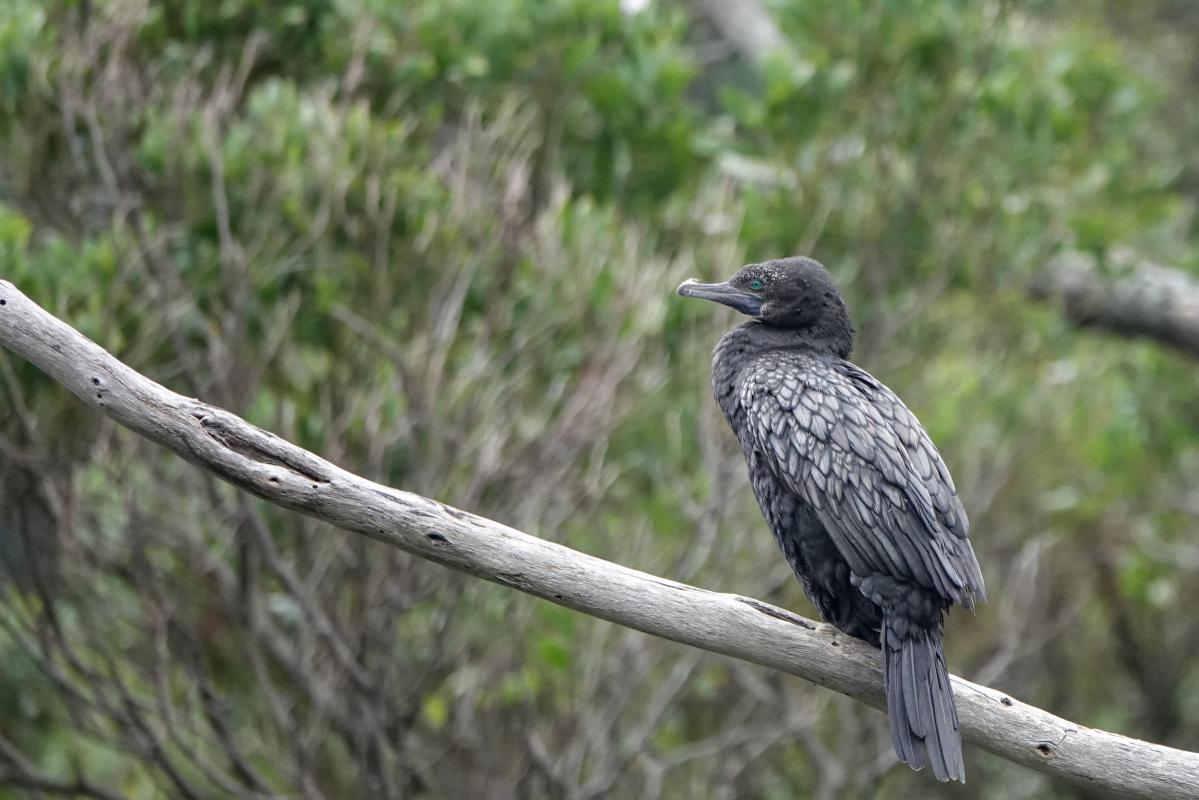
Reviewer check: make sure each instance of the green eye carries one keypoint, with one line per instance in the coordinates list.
(755, 284)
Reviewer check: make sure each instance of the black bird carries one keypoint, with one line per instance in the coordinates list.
(852, 487)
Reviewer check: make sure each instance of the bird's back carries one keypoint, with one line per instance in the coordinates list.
(843, 443)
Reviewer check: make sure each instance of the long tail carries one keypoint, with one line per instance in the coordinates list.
(924, 722)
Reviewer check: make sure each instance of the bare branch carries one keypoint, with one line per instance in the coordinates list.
(291, 477)
(746, 25)
(1145, 300)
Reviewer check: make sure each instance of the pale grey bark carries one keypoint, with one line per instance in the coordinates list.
(746, 25)
(267, 466)
(1139, 298)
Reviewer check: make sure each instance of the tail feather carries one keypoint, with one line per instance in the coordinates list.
(924, 722)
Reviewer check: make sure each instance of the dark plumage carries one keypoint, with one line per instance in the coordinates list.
(854, 491)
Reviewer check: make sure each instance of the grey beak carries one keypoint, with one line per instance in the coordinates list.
(723, 293)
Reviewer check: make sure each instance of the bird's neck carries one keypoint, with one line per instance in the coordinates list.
(752, 338)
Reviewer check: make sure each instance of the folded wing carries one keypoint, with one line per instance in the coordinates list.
(850, 448)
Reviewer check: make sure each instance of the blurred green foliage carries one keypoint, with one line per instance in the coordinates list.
(437, 241)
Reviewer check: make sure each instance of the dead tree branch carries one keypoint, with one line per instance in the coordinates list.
(746, 25)
(281, 473)
(1144, 299)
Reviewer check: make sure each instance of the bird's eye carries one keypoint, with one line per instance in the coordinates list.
(755, 284)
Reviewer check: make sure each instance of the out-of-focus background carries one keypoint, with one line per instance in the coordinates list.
(437, 242)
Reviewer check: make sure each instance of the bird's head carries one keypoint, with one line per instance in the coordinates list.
(793, 293)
